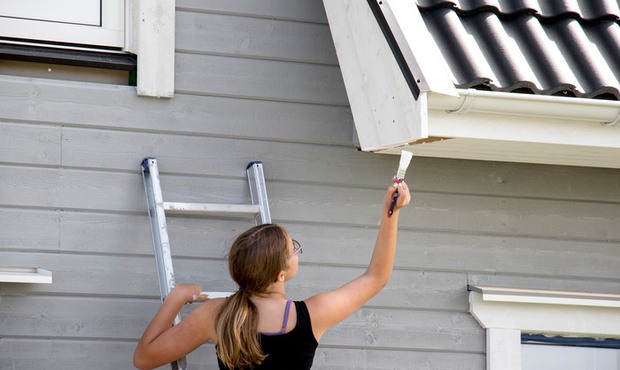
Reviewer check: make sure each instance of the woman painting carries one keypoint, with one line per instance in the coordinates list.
(258, 327)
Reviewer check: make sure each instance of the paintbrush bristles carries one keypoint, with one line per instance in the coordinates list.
(405, 158)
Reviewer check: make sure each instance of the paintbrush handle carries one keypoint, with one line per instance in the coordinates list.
(393, 204)
(396, 181)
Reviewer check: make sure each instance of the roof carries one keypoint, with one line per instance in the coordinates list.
(500, 80)
(557, 47)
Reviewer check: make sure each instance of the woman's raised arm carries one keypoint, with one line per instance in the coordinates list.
(327, 309)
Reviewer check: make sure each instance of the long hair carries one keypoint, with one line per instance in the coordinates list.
(256, 258)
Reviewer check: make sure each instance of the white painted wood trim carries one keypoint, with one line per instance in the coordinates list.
(32, 275)
(417, 46)
(506, 312)
(384, 109)
(503, 348)
(151, 36)
(497, 294)
(507, 127)
(86, 12)
(109, 33)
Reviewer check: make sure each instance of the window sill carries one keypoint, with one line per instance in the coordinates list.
(71, 57)
(32, 275)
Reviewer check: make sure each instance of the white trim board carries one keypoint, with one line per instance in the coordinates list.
(515, 128)
(479, 136)
(92, 22)
(151, 36)
(506, 312)
(383, 107)
(33, 275)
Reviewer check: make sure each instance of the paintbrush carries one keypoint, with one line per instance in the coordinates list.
(405, 158)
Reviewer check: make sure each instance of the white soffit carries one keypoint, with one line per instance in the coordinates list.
(417, 46)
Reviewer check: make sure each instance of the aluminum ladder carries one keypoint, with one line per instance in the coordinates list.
(157, 210)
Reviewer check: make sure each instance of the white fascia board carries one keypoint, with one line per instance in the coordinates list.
(496, 126)
(516, 152)
(417, 46)
(385, 112)
(508, 127)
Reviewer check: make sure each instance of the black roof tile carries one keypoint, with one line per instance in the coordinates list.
(559, 47)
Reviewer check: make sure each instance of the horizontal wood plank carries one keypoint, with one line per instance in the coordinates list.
(32, 353)
(408, 329)
(24, 229)
(118, 107)
(265, 38)
(31, 144)
(302, 10)
(259, 79)
(346, 359)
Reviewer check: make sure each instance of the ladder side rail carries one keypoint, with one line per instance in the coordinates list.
(258, 191)
(161, 243)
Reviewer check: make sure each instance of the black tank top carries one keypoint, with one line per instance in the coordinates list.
(292, 350)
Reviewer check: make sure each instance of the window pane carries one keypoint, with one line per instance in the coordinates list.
(550, 357)
(66, 11)
(81, 22)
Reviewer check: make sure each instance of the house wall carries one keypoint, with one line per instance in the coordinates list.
(261, 82)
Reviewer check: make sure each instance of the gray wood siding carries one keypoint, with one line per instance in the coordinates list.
(261, 82)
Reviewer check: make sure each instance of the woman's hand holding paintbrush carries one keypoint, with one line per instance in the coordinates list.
(405, 159)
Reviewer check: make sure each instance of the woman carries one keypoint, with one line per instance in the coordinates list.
(257, 327)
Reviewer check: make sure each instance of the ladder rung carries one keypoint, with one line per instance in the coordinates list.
(213, 295)
(211, 209)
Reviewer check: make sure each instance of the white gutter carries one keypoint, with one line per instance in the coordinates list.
(606, 112)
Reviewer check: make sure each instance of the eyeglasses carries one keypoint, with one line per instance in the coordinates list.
(297, 247)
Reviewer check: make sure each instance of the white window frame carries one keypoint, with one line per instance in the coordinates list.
(506, 312)
(109, 33)
(149, 33)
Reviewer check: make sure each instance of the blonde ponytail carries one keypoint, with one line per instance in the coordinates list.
(237, 335)
(256, 258)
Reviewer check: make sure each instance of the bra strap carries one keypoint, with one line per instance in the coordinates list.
(286, 310)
